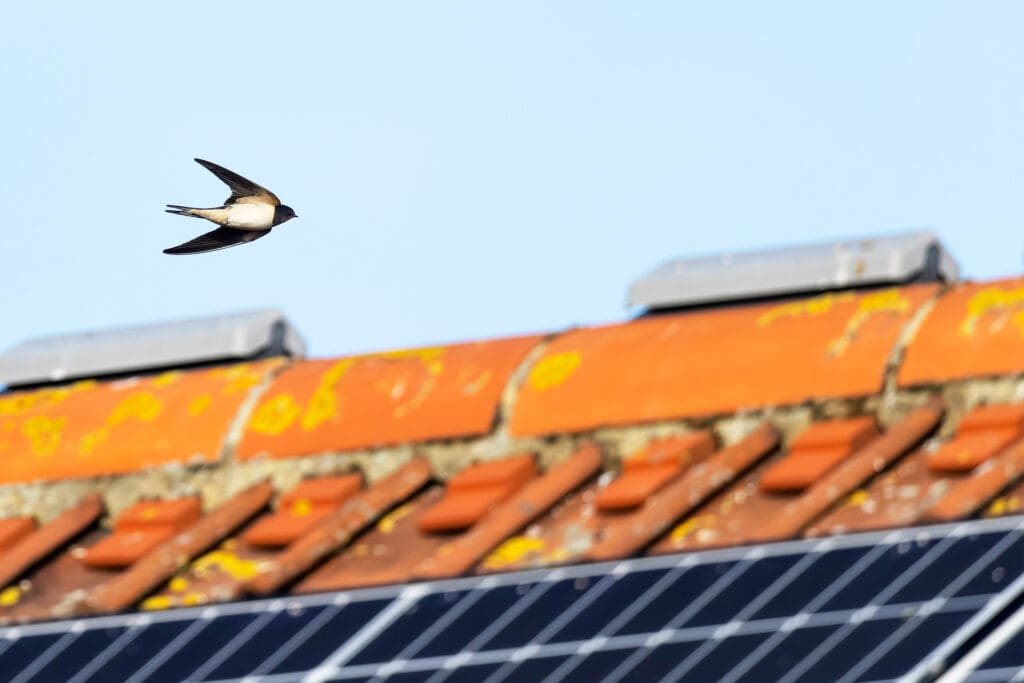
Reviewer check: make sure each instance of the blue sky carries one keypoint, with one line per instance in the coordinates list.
(464, 171)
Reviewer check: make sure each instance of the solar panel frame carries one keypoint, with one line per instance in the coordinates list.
(389, 604)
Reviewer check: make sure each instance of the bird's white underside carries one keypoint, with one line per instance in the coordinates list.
(247, 216)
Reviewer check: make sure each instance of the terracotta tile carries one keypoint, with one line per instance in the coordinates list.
(853, 472)
(648, 470)
(34, 586)
(975, 330)
(141, 528)
(969, 495)
(673, 366)
(384, 398)
(816, 451)
(301, 508)
(219, 574)
(578, 529)
(90, 428)
(534, 500)
(1010, 502)
(124, 589)
(397, 550)
(337, 528)
(747, 513)
(13, 529)
(916, 490)
(473, 492)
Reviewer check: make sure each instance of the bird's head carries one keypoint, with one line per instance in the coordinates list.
(283, 213)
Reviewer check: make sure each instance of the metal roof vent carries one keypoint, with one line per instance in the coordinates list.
(749, 276)
(150, 348)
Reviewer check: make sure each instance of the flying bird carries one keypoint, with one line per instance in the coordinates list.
(248, 214)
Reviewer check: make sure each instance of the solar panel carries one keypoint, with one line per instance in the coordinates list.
(870, 607)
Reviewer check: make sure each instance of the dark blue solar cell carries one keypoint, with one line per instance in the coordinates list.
(406, 628)
(854, 646)
(958, 558)
(24, 651)
(742, 591)
(659, 661)
(217, 633)
(411, 676)
(135, 653)
(877, 576)
(264, 643)
(690, 585)
(804, 588)
(597, 665)
(77, 655)
(323, 642)
(719, 661)
(489, 607)
(471, 674)
(1000, 572)
(916, 645)
(531, 621)
(1011, 654)
(534, 669)
(626, 589)
(782, 657)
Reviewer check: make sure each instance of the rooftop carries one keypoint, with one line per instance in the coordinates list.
(878, 427)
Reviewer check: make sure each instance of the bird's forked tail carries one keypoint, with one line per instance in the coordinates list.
(180, 210)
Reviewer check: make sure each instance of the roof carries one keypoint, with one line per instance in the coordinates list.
(788, 429)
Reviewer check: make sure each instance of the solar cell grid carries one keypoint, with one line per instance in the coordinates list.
(790, 611)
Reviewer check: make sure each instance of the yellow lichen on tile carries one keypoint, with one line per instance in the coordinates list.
(994, 301)
(199, 405)
(43, 434)
(10, 596)
(227, 562)
(275, 415)
(885, 301)
(387, 522)
(513, 551)
(301, 508)
(693, 524)
(157, 602)
(818, 305)
(552, 371)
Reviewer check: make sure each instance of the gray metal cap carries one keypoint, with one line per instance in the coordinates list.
(731, 277)
(241, 336)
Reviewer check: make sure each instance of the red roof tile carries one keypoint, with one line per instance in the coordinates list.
(40, 578)
(90, 428)
(474, 491)
(141, 528)
(130, 586)
(300, 508)
(337, 528)
(579, 528)
(397, 549)
(687, 364)
(535, 499)
(652, 467)
(915, 490)
(975, 330)
(13, 529)
(747, 512)
(816, 451)
(385, 398)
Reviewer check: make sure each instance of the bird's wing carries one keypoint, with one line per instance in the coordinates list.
(242, 189)
(221, 238)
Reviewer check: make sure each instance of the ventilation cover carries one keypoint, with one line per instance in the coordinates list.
(752, 275)
(242, 336)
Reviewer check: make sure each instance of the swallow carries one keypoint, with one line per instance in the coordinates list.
(248, 214)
